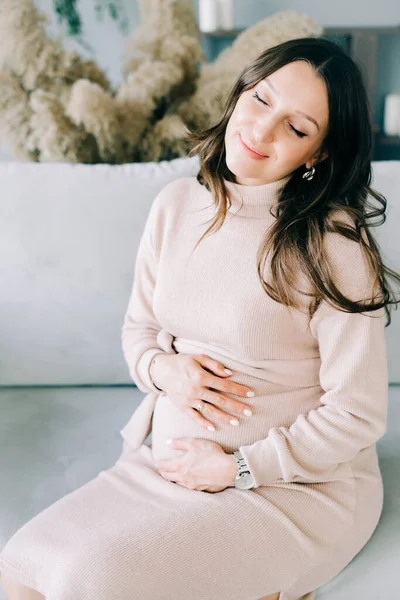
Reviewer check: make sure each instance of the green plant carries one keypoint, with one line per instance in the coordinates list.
(67, 12)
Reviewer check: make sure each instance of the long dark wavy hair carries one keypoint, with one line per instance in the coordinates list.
(304, 208)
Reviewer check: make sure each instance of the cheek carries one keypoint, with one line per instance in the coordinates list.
(287, 150)
(242, 112)
(231, 125)
(235, 123)
(293, 152)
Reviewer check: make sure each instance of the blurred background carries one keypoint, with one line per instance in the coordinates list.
(118, 81)
(369, 31)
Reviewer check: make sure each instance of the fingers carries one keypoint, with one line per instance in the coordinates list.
(199, 384)
(200, 420)
(214, 366)
(209, 411)
(225, 385)
(224, 402)
(203, 379)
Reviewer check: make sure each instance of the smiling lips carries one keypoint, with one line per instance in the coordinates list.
(251, 150)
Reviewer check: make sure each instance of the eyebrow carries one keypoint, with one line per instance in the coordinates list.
(299, 112)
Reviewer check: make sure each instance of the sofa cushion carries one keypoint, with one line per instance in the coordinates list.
(68, 240)
(386, 180)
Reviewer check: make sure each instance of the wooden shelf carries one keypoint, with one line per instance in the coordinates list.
(218, 33)
(221, 33)
(366, 30)
(387, 140)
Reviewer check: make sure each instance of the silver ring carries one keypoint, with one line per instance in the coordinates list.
(200, 406)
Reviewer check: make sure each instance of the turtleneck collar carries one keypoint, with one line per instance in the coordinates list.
(254, 201)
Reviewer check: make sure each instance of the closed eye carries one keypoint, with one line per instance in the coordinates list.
(299, 134)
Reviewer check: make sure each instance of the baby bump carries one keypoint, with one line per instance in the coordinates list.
(273, 405)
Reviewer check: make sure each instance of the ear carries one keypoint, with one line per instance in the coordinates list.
(314, 160)
(323, 157)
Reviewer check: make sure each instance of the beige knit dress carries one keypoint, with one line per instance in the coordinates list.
(320, 405)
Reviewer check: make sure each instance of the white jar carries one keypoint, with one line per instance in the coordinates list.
(391, 121)
(208, 15)
(226, 14)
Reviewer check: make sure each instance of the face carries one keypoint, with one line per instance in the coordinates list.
(278, 125)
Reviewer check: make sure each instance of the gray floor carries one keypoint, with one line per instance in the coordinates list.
(54, 440)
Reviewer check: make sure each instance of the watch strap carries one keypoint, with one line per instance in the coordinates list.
(242, 467)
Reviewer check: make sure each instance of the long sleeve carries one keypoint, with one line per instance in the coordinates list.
(140, 327)
(353, 374)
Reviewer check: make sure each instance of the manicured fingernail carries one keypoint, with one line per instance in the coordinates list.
(247, 412)
(228, 371)
(250, 394)
(211, 427)
(234, 422)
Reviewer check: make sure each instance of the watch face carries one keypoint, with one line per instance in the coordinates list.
(245, 482)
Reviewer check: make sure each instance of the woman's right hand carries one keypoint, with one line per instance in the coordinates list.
(186, 381)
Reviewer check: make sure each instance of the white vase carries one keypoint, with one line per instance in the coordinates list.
(225, 14)
(208, 15)
(391, 122)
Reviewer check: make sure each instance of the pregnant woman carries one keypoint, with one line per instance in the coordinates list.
(271, 484)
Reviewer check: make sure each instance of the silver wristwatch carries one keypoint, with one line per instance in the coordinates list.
(244, 479)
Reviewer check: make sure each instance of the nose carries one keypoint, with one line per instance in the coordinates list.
(263, 130)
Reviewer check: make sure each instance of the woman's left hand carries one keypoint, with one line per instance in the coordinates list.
(204, 466)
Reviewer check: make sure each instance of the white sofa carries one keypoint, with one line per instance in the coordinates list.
(68, 241)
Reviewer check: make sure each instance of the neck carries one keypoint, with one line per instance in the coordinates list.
(254, 201)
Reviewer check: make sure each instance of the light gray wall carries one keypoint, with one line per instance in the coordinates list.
(339, 12)
(107, 42)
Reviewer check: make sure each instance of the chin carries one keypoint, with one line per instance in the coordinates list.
(242, 171)
(248, 176)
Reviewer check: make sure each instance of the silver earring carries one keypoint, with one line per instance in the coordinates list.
(309, 174)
